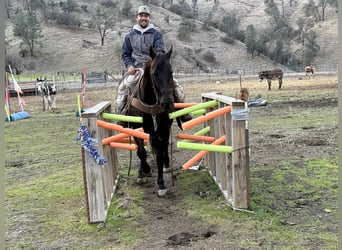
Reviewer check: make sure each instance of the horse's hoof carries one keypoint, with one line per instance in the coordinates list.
(148, 174)
(162, 192)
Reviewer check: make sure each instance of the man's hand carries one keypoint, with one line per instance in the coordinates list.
(131, 70)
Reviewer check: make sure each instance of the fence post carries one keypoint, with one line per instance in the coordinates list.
(240, 162)
(99, 181)
(230, 171)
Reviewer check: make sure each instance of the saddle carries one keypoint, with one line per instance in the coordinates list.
(132, 83)
(131, 80)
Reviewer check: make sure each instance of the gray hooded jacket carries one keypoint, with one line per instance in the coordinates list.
(137, 43)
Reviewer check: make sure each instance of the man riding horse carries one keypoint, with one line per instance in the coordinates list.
(135, 53)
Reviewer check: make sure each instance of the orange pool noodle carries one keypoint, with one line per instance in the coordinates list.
(201, 154)
(180, 105)
(117, 137)
(121, 129)
(123, 145)
(130, 141)
(196, 137)
(204, 118)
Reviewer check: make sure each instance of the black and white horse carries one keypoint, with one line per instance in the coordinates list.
(48, 91)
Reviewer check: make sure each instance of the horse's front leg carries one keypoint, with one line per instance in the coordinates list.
(269, 82)
(144, 168)
(162, 159)
(280, 82)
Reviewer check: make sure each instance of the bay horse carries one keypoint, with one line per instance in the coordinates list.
(270, 75)
(152, 98)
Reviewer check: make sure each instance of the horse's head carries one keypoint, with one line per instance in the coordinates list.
(40, 85)
(160, 70)
(261, 75)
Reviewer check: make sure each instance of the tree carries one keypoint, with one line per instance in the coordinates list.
(126, 8)
(334, 4)
(8, 7)
(102, 18)
(300, 23)
(27, 27)
(273, 11)
(230, 25)
(16, 64)
(250, 40)
(310, 9)
(194, 7)
(32, 5)
(311, 48)
(69, 6)
(281, 54)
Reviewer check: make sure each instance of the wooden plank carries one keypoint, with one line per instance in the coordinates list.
(229, 176)
(100, 180)
(241, 189)
(224, 99)
(94, 179)
(96, 110)
(223, 157)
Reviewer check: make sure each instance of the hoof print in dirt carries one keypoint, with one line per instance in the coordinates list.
(181, 239)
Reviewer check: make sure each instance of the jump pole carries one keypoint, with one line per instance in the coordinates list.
(203, 131)
(206, 147)
(123, 145)
(117, 137)
(125, 118)
(121, 129)
(201, 154)
(188, 110)
(208, 116)
(195, 137)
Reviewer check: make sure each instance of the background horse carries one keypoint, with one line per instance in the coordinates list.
(48, 92)
(153, 99)
(270, 75)
(309, 70)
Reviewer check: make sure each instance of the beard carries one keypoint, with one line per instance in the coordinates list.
(143, 23)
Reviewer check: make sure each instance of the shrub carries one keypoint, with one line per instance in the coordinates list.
(209, 57)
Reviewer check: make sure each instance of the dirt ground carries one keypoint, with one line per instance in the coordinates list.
(276, 137)
(176, 230)
(171, 228)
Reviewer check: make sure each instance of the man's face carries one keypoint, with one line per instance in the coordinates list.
(143, 20)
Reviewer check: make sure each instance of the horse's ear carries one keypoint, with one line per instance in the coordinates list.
(168, 54)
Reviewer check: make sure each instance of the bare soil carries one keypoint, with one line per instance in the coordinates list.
(279, 140)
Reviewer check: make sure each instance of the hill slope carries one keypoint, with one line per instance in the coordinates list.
(66, 49)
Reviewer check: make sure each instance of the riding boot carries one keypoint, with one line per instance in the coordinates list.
(180, 97)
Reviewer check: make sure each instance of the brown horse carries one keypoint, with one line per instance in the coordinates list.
(270, 75)
(153, 99)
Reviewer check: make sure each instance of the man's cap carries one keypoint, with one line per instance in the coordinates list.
(144, 9)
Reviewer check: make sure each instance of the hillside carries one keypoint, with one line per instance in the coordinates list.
(65, 49)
